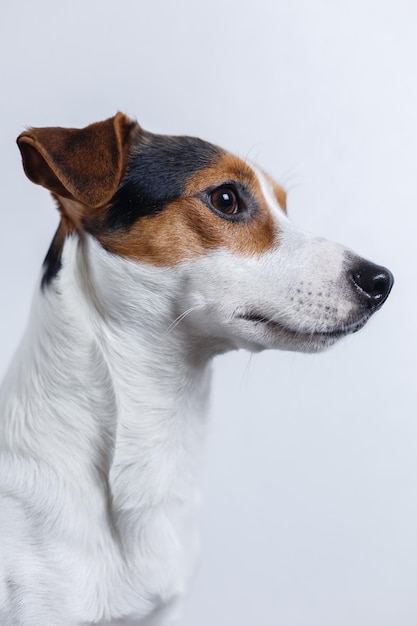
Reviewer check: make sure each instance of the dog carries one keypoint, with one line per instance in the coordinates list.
(169, 251)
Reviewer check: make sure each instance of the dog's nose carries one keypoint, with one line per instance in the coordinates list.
(374, 283)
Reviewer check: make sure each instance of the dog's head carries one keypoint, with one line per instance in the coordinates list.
(214, 223)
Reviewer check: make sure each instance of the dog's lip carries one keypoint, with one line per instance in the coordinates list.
(335, 333)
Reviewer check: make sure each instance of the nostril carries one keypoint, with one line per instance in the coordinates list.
(380, 286)
(374, 282)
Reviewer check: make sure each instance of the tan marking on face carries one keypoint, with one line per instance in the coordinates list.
(187, 228)
(279, 192)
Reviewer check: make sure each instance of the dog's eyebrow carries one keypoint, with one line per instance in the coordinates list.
(158, 170)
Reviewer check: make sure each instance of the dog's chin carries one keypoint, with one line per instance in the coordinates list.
(264, 333)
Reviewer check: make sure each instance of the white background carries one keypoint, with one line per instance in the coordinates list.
(310, 513)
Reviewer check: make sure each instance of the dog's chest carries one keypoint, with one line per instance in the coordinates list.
(124, 565)
(157, 565)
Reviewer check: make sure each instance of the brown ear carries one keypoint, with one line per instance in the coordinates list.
(85, 165)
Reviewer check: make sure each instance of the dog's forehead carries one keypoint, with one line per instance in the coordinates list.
(159, 169)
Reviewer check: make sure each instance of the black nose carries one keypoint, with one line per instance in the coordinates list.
(374, 283)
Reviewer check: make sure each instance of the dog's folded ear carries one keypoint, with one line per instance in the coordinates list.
(85, 165)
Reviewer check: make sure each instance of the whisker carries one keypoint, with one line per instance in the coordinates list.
(182, 316)
(294, 185)
(245, 375)
(288, 173)
(248, 158)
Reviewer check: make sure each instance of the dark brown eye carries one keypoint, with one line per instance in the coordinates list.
(224, 199)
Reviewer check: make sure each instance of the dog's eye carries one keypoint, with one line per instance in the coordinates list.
(225, 200)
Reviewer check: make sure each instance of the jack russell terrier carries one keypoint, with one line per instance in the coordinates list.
(169, 251)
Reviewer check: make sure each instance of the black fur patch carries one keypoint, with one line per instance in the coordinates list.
(157, 174)
(52, 263)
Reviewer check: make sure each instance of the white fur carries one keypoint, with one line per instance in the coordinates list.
(103, 417)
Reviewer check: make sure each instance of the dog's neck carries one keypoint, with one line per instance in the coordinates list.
(110, 388)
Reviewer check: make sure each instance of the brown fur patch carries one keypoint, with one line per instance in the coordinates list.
(84, 165)
(187, 228)
(279, 192)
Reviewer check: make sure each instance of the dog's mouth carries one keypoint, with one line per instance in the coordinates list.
(326, 336)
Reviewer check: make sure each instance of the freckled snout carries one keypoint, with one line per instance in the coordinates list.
(373, 283)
